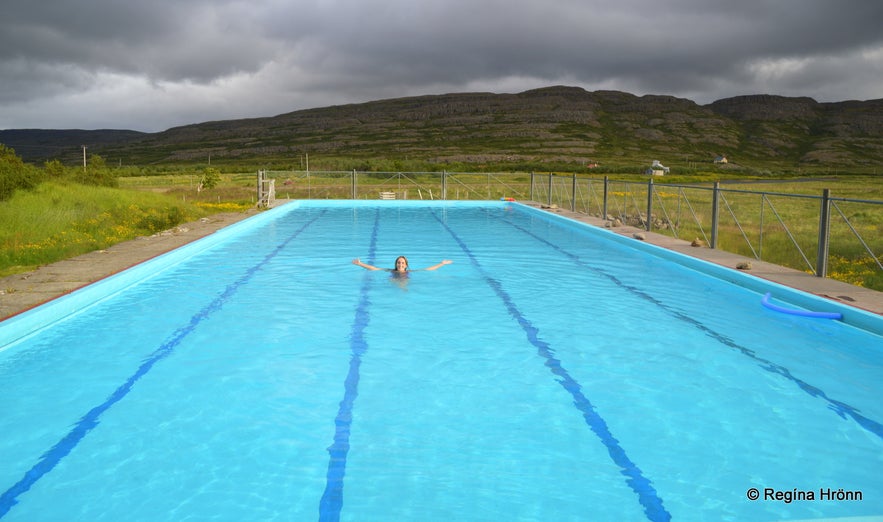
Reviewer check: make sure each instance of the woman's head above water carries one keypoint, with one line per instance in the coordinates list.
(401, 264)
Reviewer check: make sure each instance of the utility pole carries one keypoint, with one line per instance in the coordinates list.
(84, 157)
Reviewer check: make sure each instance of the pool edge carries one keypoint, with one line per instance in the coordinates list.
(855, 316)
(29, 321)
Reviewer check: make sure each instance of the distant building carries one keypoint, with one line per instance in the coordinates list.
(657, 169)
(720, 160)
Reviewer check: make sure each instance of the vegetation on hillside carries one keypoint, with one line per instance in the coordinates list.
(15, 174)
(562, 129)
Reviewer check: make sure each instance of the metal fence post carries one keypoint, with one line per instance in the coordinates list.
(573, 194)
(531, 186)
(649, 204)
(354, 183)
(715, 197)
(550, 190)
(606, 184)
(444, 184)
(824, 229)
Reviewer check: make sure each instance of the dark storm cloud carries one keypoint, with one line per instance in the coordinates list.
(165, 40)
(148, 66)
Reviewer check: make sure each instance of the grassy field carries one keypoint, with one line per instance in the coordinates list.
(855, 227)
(56, 221)
(236, 188)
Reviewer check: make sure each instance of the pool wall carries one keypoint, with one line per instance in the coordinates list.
(29, 322)
(852, 316)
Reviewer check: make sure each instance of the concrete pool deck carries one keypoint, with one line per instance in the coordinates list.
(21, 292)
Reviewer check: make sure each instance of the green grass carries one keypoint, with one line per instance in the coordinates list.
(56, 221)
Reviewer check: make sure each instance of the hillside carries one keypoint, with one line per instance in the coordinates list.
(555, 124)
(39, 144)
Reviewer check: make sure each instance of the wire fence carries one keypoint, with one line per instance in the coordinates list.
(404, 185)
(820, 234)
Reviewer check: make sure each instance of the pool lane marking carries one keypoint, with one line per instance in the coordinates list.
(640, 485)
(62, 448)
(840, 408)
(331, 502)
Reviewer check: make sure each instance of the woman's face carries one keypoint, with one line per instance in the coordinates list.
(401, 264)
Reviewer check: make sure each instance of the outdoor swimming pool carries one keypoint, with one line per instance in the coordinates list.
(552, 372)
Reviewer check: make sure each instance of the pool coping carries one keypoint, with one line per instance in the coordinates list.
(25, 291)
(843, 294)
(21, 293)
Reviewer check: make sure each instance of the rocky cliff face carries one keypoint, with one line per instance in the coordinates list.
(765, 107)
(806, 131)
(549, 124)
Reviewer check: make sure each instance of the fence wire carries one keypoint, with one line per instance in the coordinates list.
(830, 237)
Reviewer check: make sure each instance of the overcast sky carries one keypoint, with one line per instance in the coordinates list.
(156, 64)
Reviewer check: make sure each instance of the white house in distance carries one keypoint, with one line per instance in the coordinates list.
(657, 169)
(720, 160)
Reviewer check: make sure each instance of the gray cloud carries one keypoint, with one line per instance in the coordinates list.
(150, 66)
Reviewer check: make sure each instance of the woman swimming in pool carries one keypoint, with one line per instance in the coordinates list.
(401, 265)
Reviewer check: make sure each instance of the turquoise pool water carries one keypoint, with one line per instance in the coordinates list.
(552, 372)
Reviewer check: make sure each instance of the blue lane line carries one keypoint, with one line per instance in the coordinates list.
(332, 498)
(62, 448)
(647, 494)
(840, 408)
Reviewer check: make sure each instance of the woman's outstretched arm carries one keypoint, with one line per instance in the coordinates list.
(443, 263)
(365, 265)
